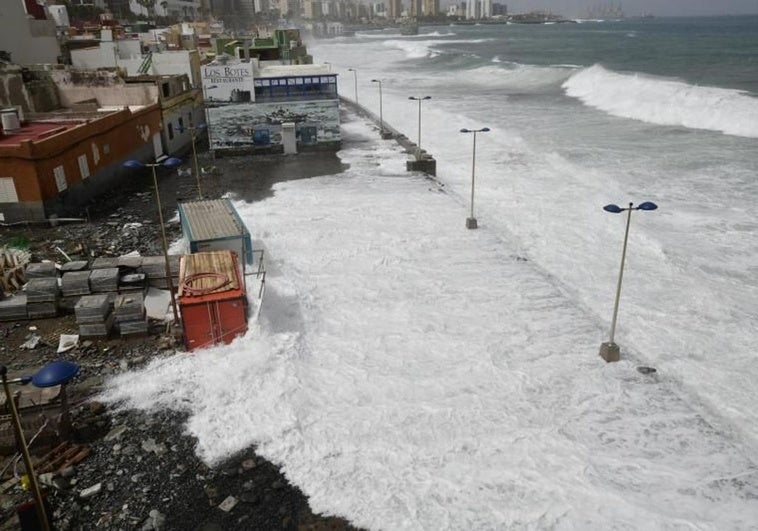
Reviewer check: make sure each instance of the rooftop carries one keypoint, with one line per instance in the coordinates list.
(36, 131)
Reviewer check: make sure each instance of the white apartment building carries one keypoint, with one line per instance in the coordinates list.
(28, 33)
(476, 9)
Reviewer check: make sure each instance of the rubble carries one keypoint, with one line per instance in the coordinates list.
(148, 473)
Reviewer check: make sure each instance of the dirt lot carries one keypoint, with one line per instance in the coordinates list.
(142, 469)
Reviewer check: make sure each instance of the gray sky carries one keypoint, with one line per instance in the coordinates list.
(636, 7)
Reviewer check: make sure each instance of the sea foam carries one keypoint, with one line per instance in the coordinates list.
(666, 102)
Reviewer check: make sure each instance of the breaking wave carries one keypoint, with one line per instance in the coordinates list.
(666, 102)
(516, 77)
(415, 49)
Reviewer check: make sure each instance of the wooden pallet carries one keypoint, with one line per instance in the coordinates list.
(62, 456)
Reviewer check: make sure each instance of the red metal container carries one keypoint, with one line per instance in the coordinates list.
(211, 298)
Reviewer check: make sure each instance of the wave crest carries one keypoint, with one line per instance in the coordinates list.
(665, 102)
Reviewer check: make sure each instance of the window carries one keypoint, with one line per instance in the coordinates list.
(181, 125)
(170, 131)
(83, 166)
(190, 120)
(166, 90)
(8, 190)
(60, 178)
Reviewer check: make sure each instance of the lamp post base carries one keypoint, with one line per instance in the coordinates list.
(471, 223)
(609, 352)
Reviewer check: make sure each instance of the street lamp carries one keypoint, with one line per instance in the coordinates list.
(192, 129)
(207, 114)
(609, 350)
(381, 116)
(355, 78)
(471, 220)
(419, 100)
(169, 163)
(52, 374)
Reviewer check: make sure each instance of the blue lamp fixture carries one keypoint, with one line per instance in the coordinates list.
(169, 163)
(609, 350)
(52, 374)
(471, 220)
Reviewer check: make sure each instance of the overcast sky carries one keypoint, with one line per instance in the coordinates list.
(637, 7)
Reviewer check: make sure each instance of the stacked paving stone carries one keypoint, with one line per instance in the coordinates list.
(105, 262)
(42, 290)
(77, 265)
(104, 280)
(42, 297)
(13, 308)
(129, 312)
(40, 270)
(76, 283)
(132, 283)
(94, 315)
(155, 269)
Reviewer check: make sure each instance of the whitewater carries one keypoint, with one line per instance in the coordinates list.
(409, 374)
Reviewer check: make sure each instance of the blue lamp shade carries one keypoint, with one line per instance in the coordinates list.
(171, 163)
(465, 131)
(133, 164)
(484, 130)
(55, 373)
(647, 205)
(613, 209)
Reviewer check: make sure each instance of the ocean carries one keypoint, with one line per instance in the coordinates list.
(410, 374)
(582, 115)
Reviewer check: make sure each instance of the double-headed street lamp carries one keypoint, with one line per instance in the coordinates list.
(169, 163)
(192, 129)
(355, 79)
(381, 117)
(471, 220)
(52, 374)
(609, 350)
(419, 100)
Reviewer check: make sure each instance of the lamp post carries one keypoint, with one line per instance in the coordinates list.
(609, 350)
(471, 220)
(56, 373)
(169, 163)
(419, 100)
(381, 116)
(355, 79)
(192, 129)
(207, 115)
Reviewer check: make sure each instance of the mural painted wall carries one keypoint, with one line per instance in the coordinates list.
(228, 83)
(245, 125)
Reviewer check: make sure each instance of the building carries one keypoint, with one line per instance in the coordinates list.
(57, 163)
(28, 33)
(130, 54)
(81, 125)
(417, 8)
(431, 7)
(271, 109)
(395, 9)
(477, 9)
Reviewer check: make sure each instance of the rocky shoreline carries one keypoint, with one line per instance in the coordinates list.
(142, 471)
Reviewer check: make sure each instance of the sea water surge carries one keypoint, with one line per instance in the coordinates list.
(410, 374)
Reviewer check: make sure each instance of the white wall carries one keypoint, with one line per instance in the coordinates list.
(125, 54)
(28, 41)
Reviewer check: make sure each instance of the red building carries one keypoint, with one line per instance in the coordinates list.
(58, 162)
